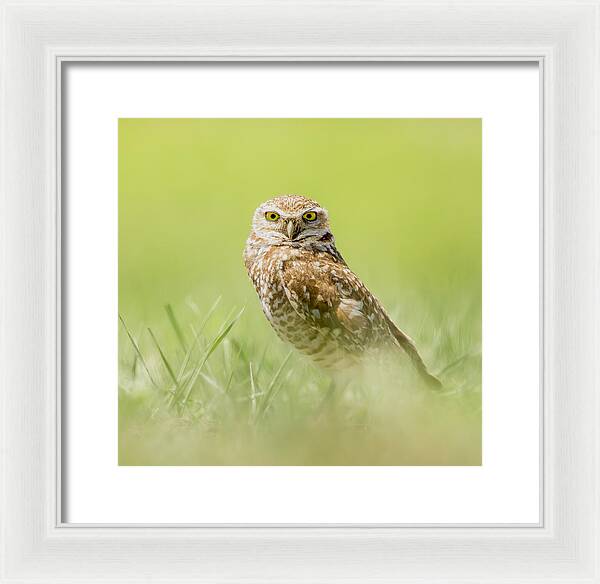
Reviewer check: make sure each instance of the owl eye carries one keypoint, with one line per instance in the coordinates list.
(309, 216)
(271, 216)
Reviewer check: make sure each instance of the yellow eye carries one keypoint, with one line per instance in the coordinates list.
(271, 216)
(309, 216)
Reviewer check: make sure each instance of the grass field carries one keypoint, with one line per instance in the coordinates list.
(203, 380)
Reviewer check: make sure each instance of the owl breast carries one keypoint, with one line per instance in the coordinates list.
(314, 336)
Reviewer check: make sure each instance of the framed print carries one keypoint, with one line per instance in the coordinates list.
(335, 431)
(299, 294)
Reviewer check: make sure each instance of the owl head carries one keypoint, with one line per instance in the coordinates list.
(291, 219)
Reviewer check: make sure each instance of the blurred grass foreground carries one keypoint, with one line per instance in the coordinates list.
(203, 380)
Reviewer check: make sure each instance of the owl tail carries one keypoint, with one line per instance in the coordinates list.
(410, 349)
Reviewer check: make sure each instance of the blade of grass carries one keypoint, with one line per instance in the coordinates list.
(183, 368)
(241, 353)
(197, 336)
(164, 358)
(175, 324)
(226, 390)
(211, 381)
(134, 365)
(270, 391)
(138, 352)
(212, 347)
(252, 395)
(262, 359)
(188, 355)
(210, 312)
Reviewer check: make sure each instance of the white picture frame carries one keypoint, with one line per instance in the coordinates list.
(38, 38)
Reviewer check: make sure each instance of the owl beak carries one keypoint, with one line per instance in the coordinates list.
(292, 229)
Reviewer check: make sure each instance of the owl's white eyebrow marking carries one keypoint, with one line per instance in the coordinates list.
(316, 209)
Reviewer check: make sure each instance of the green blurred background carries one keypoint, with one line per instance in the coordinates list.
(404, 198)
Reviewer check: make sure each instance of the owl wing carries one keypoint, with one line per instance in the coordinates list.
(326, 294)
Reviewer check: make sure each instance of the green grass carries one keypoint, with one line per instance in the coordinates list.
(196, 390)
(203, 383)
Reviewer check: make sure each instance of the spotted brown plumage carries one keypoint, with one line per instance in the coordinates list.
(309, 294)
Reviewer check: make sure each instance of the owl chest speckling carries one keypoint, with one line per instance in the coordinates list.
(287, 282)
(266, 273)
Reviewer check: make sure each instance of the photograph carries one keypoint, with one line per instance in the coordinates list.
(299, 291)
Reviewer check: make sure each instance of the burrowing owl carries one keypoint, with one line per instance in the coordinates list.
(309, 294)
